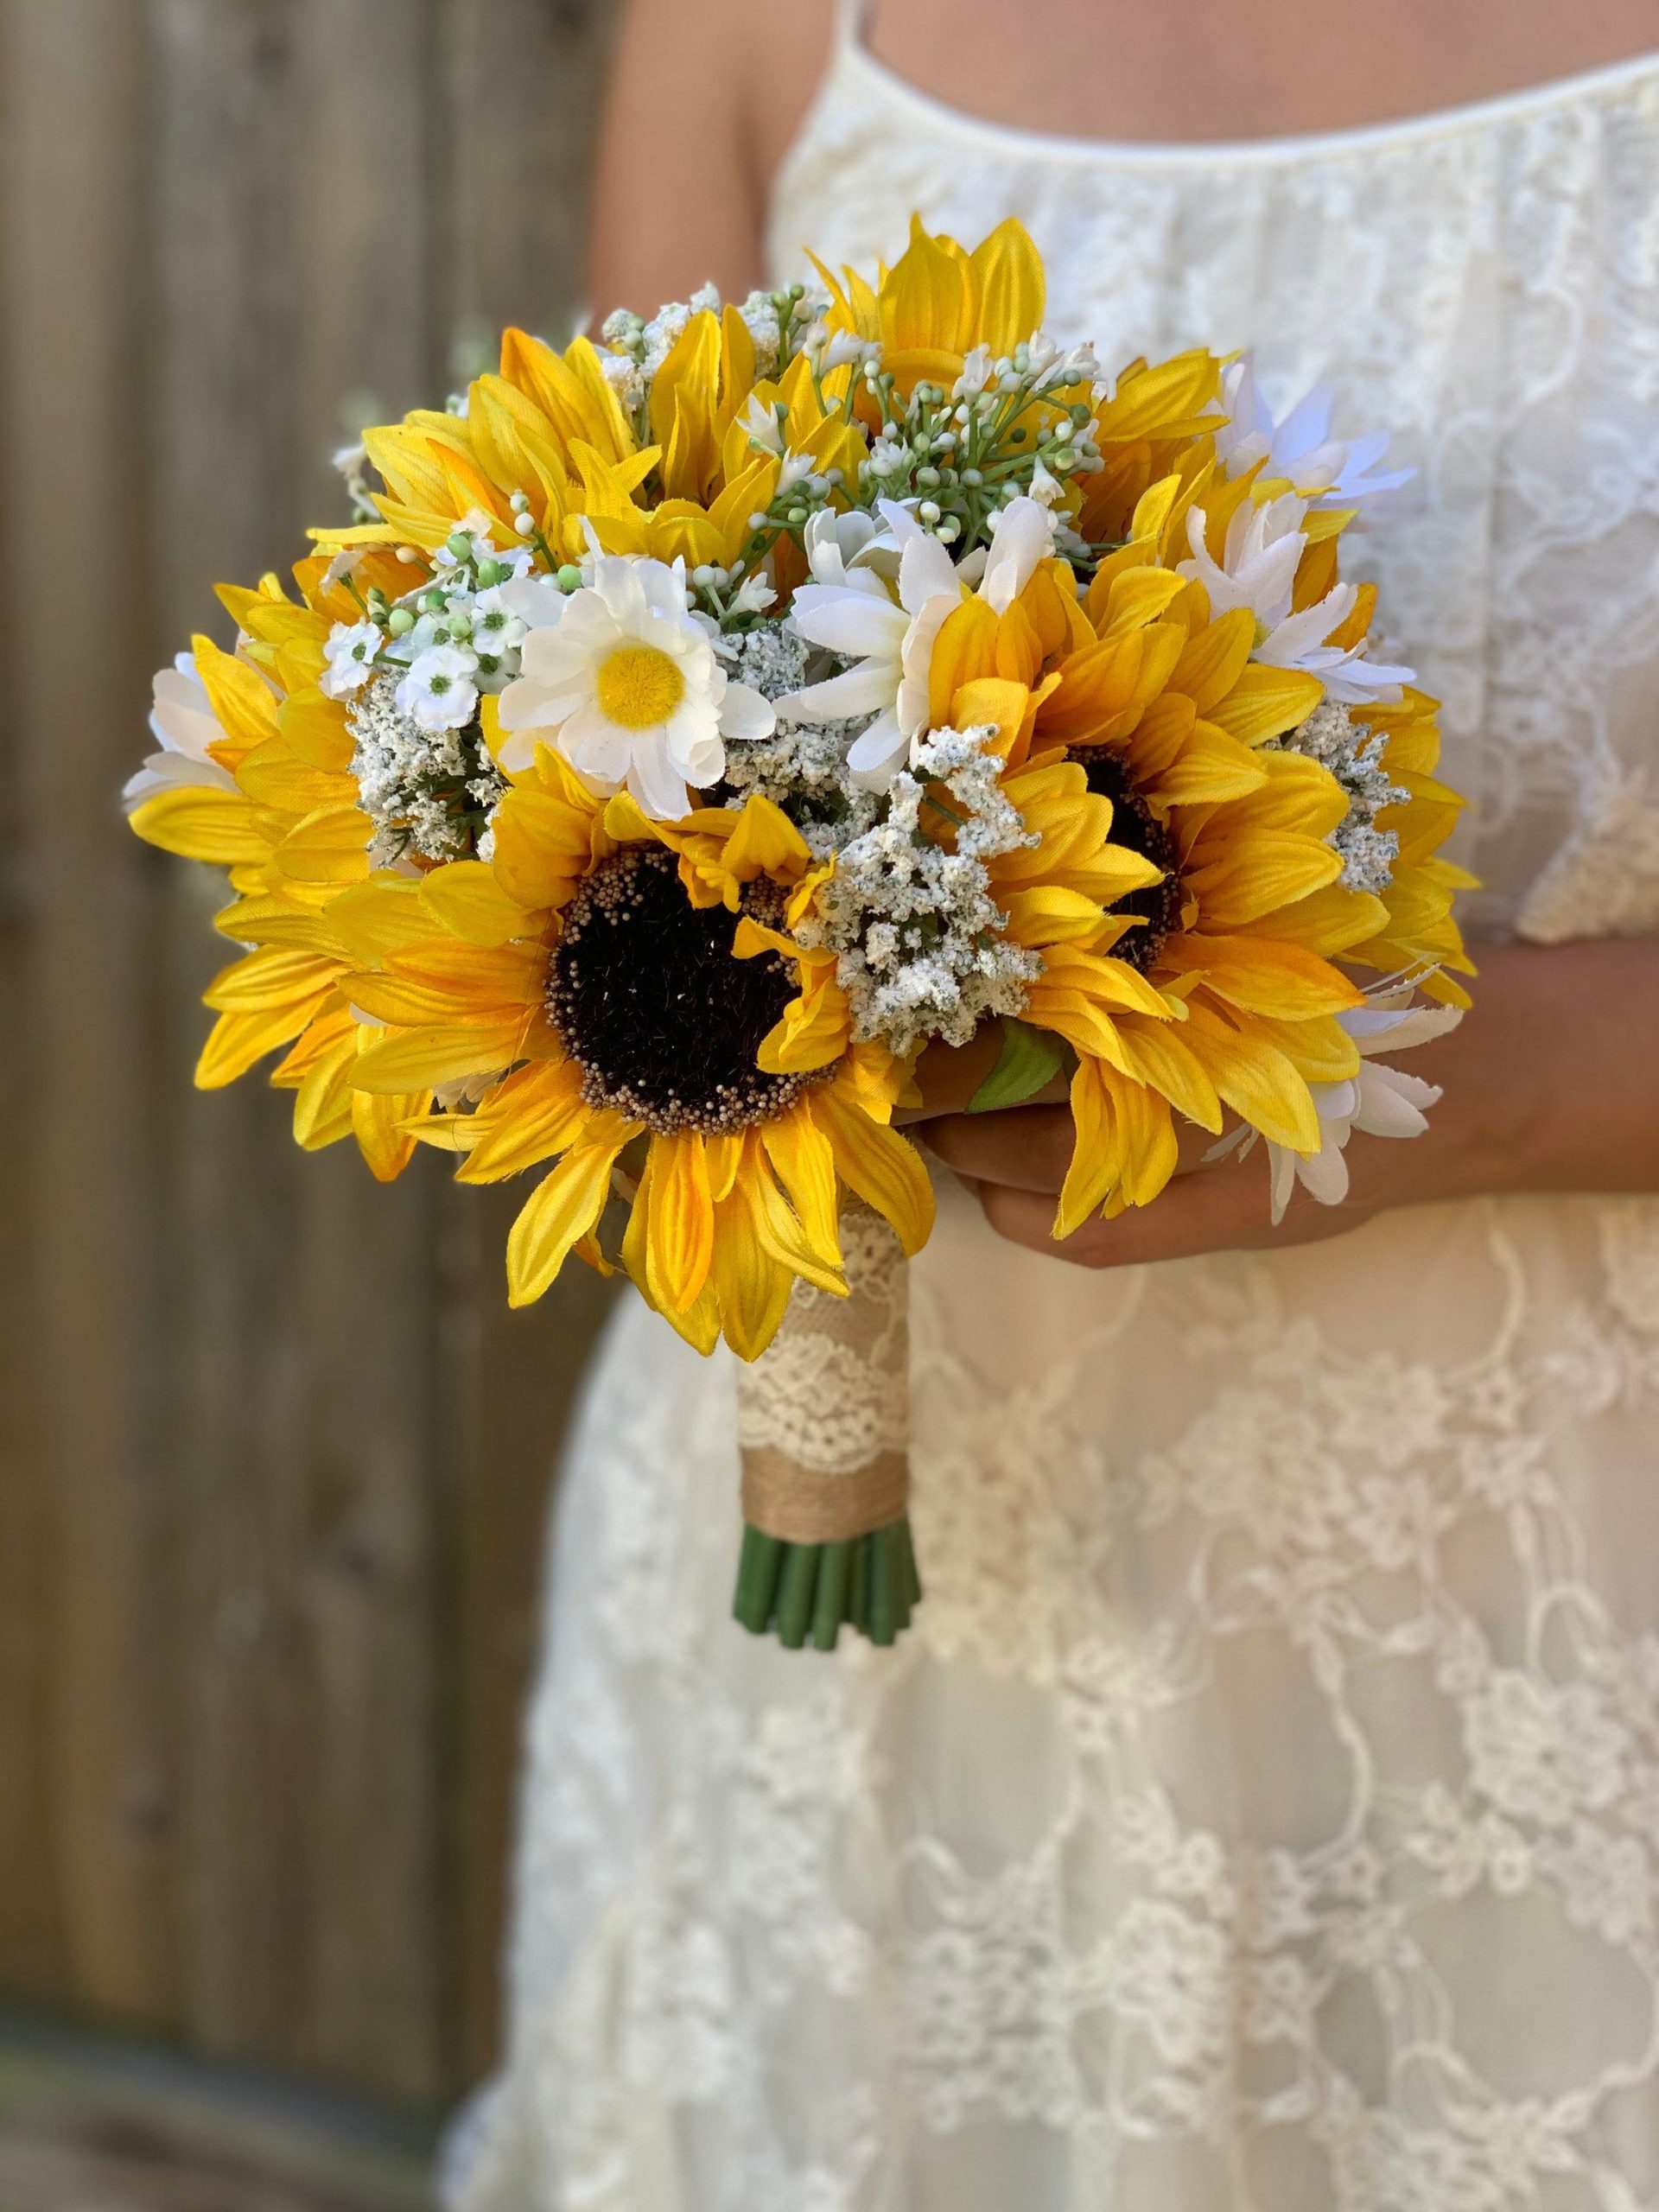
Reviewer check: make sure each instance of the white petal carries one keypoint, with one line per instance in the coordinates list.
(537, 600)
(1281, 1179)
(550, 653)
(1297, 636)
(1308, 424)
(926, 570)
(664, 588)
(1021, 536)
(747, 713)
(855, 623)
(172, 772)
(1323, 1175)
(1421, 1025)
(865, 689)
(691, 730)
(590, 741)
(517, 751)
(524, 705)
(912, 696)
(1387, 1106)
(902, 525)
(876, 753)
(656, 784)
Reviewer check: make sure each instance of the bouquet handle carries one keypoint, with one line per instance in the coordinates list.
(823, 1420)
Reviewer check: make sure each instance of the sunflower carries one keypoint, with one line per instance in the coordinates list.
(1247, 936)
(252, 777)
(939, 303)
(549, 449)
(556, 996)
(1232, 938)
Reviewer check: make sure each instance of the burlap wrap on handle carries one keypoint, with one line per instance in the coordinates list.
(823, 1414)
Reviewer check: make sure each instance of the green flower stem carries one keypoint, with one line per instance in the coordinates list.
(795, 1594)
(799, 1592)
(885, 1588)
(830, 1607)
(757, 1579)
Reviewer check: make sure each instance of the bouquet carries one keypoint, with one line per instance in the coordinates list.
(691, 727)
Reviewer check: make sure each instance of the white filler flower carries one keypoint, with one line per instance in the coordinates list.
(350, 656)
(627, 685)
(440, 691)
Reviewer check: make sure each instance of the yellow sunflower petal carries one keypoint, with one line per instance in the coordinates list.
(1256, 1080)
(272, 978)
(1158, 1055)
(330, 846)
(465, 897)
(1266, 701)
(1095, 1154)
(537, 1111)
(379, 1125)
(778, 1230)
(883, 1167)
(805, 1161)
(416, 1059)
(238, 1040)
(563, 1208)
(199, 821)
(751, 1286)
(1011, 284)
(322, 1105)
(680, 1234)
(1264, 975)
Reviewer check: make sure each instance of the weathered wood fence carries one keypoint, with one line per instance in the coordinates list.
(273, 1456)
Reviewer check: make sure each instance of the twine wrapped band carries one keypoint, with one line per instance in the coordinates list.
(784, 1497)
(824, 1413)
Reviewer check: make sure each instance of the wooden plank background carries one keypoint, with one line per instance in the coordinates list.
(273, 1456)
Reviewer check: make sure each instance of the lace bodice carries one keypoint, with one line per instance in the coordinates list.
(1262, 1815)
(1486, 285)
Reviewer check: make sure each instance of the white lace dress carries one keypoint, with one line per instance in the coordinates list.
(1263, 1813)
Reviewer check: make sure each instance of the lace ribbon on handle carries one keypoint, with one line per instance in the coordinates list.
(823, 1414)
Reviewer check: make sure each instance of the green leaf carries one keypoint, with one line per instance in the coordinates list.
(1029, 1058)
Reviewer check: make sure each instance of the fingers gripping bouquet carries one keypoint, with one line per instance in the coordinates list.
(694, 727)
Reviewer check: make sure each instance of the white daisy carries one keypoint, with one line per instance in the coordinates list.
(1332, 471)
(441, 689)
(1257, 569)
(891, 642)
(1259, 558)
(628, 687)
(1348, 678)
(350, 654)
(184, 725)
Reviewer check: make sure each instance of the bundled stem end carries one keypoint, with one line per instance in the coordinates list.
(808, 1592)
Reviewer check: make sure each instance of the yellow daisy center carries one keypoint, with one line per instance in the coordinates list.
(640, 686)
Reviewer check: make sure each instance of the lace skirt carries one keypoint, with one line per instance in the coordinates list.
(1263, 1811)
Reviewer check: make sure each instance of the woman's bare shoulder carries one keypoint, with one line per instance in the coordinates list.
(702, 105)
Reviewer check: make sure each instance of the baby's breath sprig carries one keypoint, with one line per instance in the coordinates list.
(1005, 427)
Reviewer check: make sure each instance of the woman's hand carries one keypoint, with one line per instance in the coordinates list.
(1551, 1084)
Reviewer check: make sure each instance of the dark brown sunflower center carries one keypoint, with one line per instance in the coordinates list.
(1135, 825)
(649, 1000)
